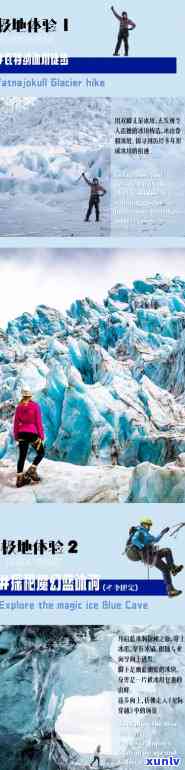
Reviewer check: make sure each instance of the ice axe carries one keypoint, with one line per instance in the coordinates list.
(84, 172)
(176, 528)
(99, 173)
(79, 177)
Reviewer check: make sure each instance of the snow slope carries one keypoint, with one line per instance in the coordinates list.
(45, 144)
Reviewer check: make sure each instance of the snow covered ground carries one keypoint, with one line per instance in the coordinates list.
(67, 483)
(45, 144)
(63, 482)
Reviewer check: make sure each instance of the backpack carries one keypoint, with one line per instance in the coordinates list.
(131, 531)
(132, 552)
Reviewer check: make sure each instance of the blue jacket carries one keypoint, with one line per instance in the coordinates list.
(142, 537)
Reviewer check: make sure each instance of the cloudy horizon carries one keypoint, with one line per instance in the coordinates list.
(57, 277)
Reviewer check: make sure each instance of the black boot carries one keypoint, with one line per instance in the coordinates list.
(175, 569)
(172, 592)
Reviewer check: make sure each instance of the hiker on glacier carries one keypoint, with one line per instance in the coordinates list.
(28, 431)
(96, 191)
(96, 757)
(141, 546)
(126, 25)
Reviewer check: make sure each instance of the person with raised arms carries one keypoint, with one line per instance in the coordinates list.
(126, 25)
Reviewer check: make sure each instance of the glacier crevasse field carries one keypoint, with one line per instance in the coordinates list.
(110, 382)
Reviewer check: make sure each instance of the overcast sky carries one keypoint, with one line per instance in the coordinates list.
(56, 277)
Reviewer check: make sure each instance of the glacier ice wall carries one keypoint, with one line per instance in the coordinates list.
(109, 377)
(44, 667)
(40, 667)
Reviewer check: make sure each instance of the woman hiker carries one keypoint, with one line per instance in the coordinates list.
(28, 430)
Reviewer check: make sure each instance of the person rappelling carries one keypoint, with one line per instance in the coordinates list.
(126, 25)
(141, 546)
(96, 191)
(28, 431)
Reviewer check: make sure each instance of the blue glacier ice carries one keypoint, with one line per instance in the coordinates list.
(110, 378)
(40, 668)
(49, 672)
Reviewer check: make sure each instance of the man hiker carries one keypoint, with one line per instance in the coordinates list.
(126, 25)
(96, 757)
(140, 546)
(28, 431)
(94, 200)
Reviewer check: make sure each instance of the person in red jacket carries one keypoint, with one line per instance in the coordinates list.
(126, 25)
(28, 430)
